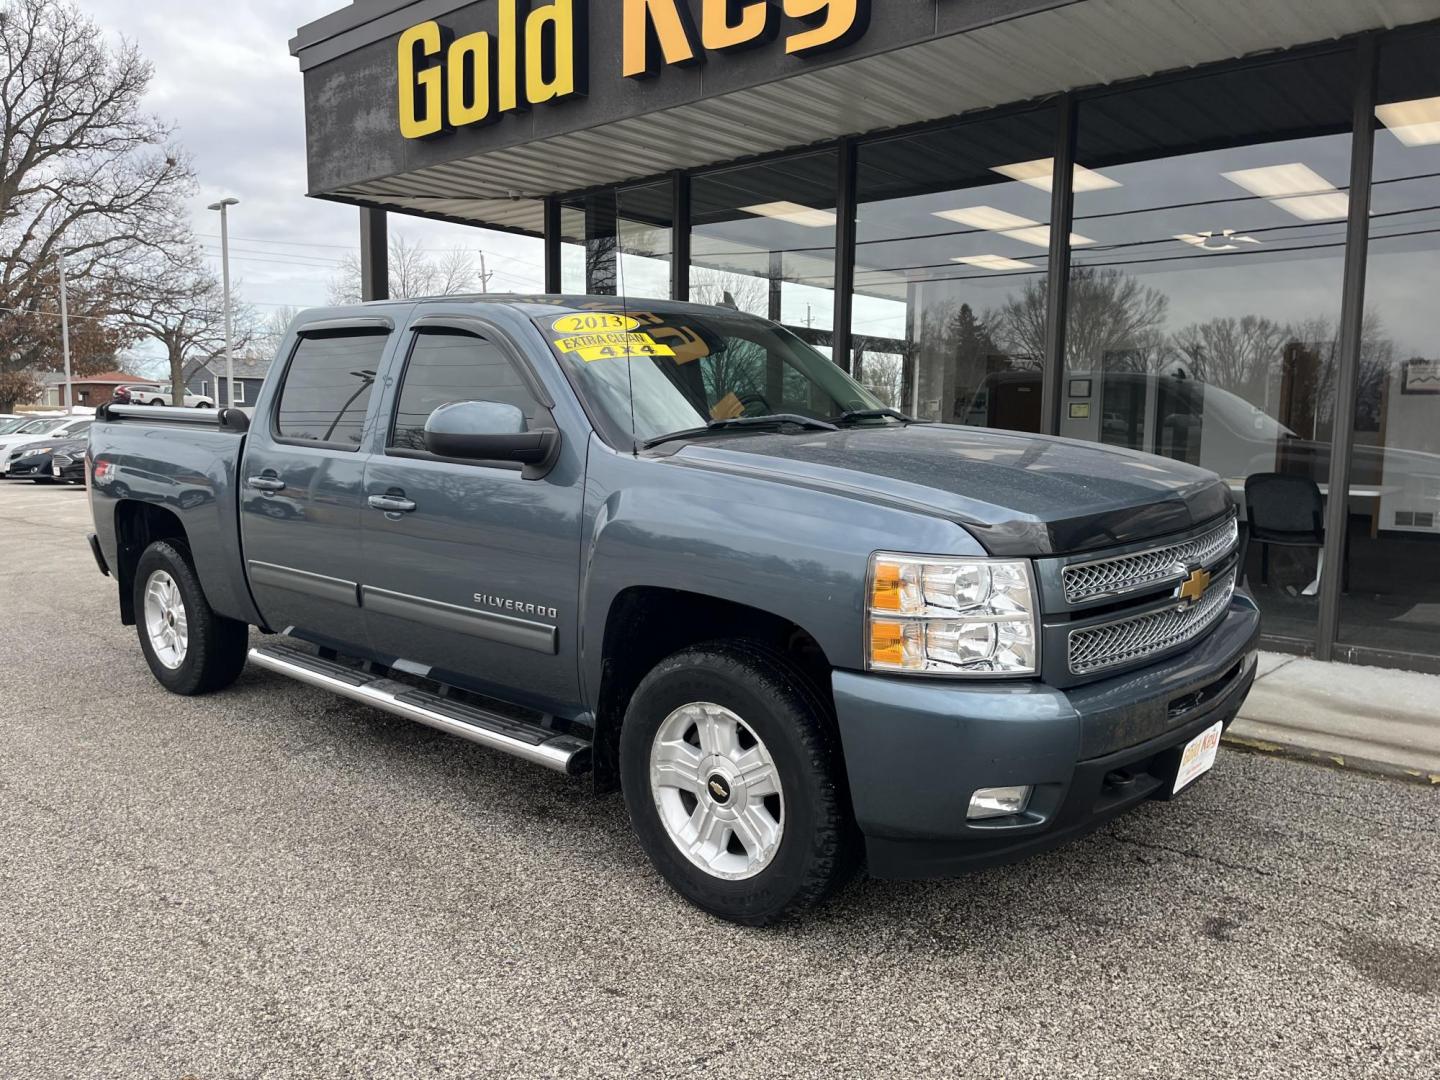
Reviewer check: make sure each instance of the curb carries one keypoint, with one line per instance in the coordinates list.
(1349, 763)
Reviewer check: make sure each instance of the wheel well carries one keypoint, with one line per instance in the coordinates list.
(137, 526)
(647, 624)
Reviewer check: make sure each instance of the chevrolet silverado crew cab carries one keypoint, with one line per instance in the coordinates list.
(675, 548)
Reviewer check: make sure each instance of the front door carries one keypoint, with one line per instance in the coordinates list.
(472, 569)
(302, 489)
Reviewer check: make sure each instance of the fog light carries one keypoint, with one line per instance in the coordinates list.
(991, 802)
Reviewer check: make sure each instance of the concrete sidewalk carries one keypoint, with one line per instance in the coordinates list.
(1366, 718)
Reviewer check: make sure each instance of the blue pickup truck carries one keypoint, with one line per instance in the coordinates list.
(677, 550)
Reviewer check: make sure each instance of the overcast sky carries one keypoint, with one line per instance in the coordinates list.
(224, 76)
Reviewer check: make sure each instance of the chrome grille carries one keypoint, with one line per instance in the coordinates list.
(1154, 566)
(1124, 641)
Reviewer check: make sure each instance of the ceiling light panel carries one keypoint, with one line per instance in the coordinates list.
(986, 217)
(794, 213)
(1295, 188)
(994, 262)
(1040, 174)
(1414, 123)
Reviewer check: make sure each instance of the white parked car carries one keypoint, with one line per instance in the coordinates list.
(45, 429)
(153, 395)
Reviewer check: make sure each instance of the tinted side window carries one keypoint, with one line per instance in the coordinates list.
(327, 388)
(447, 366)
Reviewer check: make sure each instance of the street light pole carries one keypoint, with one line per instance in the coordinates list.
(225, 280)
(69, 399)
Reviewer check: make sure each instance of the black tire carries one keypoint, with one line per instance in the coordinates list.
(216, 647)
(157, 401)
(776, 700)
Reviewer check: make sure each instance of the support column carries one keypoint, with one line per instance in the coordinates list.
(554, 276)
(374, 255)
(1062, 210)
(680, 237)
(844, 256)
(1352, 316)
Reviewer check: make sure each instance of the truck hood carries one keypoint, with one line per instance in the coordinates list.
(1018, 494)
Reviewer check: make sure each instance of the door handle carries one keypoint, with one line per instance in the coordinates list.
(266, 483)
(392, 504)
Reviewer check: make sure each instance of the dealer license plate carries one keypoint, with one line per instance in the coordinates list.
(1199, 755)
(55, 469)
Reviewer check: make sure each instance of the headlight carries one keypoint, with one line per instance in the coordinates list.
(31, 451)
(951, 616)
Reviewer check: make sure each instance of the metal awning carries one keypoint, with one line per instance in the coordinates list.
(1081, 44)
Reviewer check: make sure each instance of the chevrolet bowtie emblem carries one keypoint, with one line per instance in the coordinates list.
(1194, 586)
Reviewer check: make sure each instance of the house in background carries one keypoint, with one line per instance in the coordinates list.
(207, 377)
(87, 390)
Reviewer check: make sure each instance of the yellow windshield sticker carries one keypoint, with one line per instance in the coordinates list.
(612, 346)
(593, 322)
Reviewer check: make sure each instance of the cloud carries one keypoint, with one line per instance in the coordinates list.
(224, 76)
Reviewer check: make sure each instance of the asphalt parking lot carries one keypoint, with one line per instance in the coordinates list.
(275, 882)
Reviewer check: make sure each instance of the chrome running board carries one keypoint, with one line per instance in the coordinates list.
(530, 742)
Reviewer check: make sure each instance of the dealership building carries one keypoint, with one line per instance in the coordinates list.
(1207, 229)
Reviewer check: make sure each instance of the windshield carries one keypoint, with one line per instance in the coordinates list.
(39, 427)
(689, 368)
(14, 424)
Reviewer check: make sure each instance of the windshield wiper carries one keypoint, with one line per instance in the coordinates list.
(733, 422)
(849, 416)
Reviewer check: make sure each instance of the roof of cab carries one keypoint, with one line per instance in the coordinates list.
(539, 304)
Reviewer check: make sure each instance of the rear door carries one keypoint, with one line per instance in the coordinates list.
(477, 580)
(302, 483)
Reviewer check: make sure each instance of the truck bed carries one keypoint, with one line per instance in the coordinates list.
(180, 462)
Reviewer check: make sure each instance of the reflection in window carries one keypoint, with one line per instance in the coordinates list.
(1204, 297)
(1393, 599)
(618, 242)
(450, 366)
(952, 239)
(762, 240)
(327, 388)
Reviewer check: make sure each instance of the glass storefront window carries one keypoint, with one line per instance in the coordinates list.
(618, 241)
(951, 258)
(762, 239)
(1204, 297)
(1393, 597)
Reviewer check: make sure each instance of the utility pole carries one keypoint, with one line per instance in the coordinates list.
(177, 393)
(69, 399)
(484, 274)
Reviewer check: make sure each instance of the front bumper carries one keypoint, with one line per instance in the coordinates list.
(915, 750)
(27, 468)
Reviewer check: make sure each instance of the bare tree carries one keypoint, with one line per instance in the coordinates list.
(1235, 354)
(270, 331)
(179, 302)
(413, 272)
(85, 175)
(884, 376)
(1114, 322)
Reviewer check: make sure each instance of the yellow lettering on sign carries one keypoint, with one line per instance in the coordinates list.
(484, 75)
(832, 23)
(421, 91)
(655, 33)
(509, 66)
(550, 60)
(756, 24)
(470, 79)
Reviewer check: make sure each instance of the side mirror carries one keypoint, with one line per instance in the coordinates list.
(488, 431)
